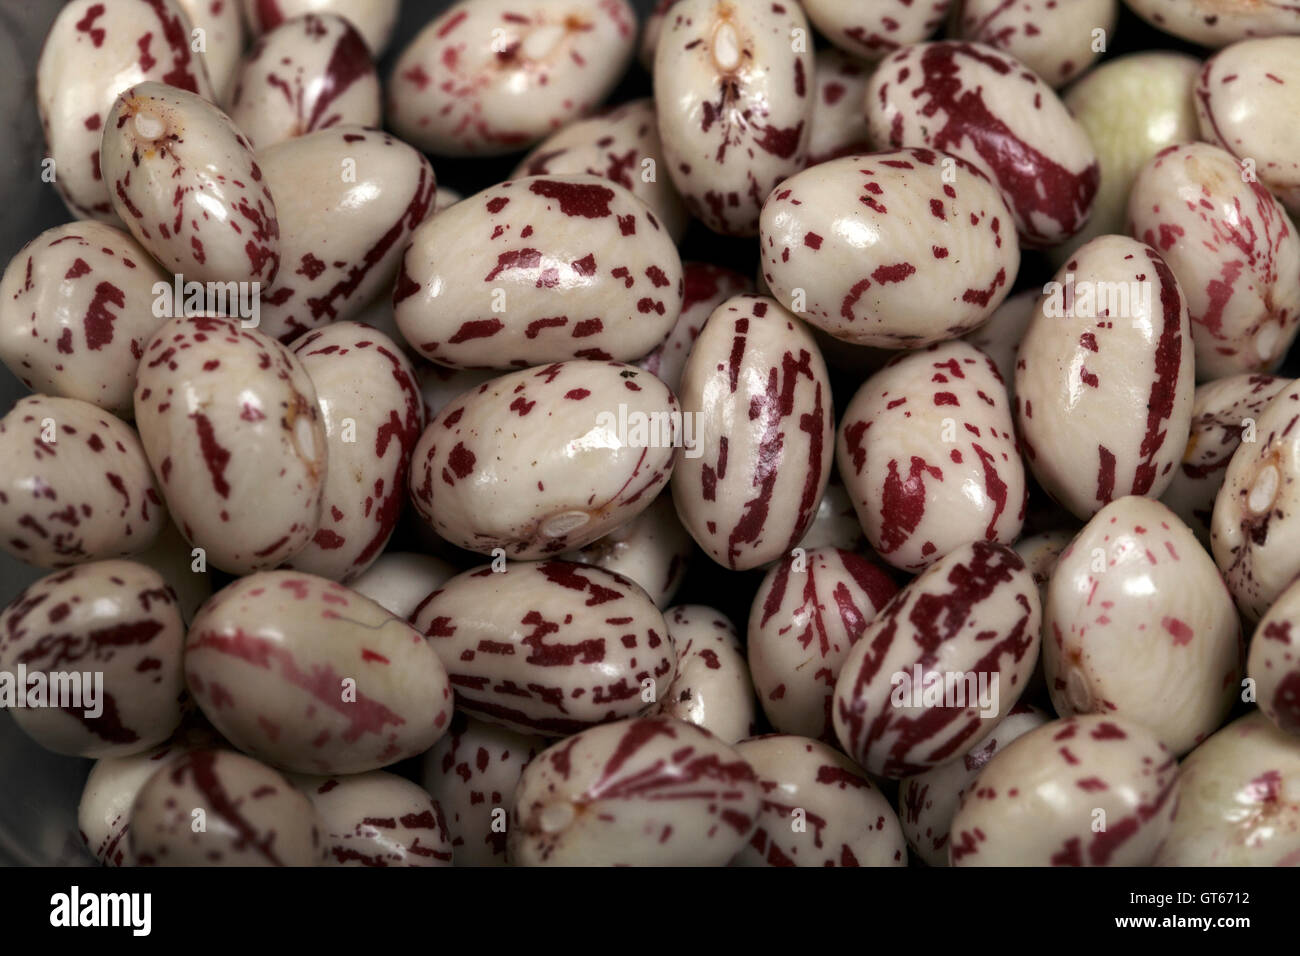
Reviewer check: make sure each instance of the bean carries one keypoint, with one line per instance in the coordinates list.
(1216, 25)
(875, 28)
(398, 580)
(1058, 41)
(375, 20)
(1274, 665)
(104, 813)
(999, 338)
(711, 686)
(223, 35)
(838, 126)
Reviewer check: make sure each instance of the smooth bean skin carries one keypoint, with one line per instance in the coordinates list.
(375, 20)
(621, 146)
(93, 52)
(1235, 252)
(1223, 411)
(376, 819)
(373, 415)
(1083, 377)
(711, 686)
(309, 676)
(307, 74)
(496, 76)
(999, 338)
(1138, 624)
(232, 426)
(847, 821)
(706, 287)
(341, 237)
(1253, 529)
(928, 801)
(974, 612)
(185, 182)
(1274, 662)
(399, 580)
(222, 23)
(75, 484)
(760, 395)
(1039, 801)
(439, 385)
(1055, 40)
(173, 558)
(985, 107)
(104, 813)
(472, 774)
(252, 815)
(835, 525)
(650, 791)
(927, 451)
(838, 126)
(916, 259)
(76, 309)
(1238, 799)
(117, 620)
(534, 462)
(483, 281)
(733, 94)
(653, 549)
(870, 29)
(548, 647)
(808, 612)
(1214, 24)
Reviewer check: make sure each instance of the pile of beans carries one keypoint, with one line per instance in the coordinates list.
(869, 447)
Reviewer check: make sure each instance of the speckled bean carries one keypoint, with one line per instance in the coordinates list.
(807, 614)
(764, 438)
(398, 581)
(1274, 662)
(733, 90)
(548, 647)
(485, 475)
(223, 38)
(706, 287)
(440, 385)
(104, 813)
(75, 484)
(1234, 251)
(711, 687)
(643, 792)
(231, 424)
(873, 28)
(1214, 23)
(966, 627)
(1056, 40)
(999, 338)
(375, 20)
(835, 525)
(495, 76)
(838, 126)
(927, 452)
(1108, 340)
(985, 107)
(309, 676)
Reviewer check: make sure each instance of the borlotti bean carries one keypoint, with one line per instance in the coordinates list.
(838, 126)
(706, 288)
(871, 29)
(375, 20)
(546, 460)
(104, 813)
(377, 819)
(1139, 624)
(940, 666)
(440, 385)
(1131, 107)
(1058, 41)
(222, 29)
(759, 394)
(1109, 340)
(983, 106)
(472, 774)
(1084, 791)
(252, 816)
(999, 338)
(733, 86)
(647, 791)
(711, 686)
(1238, 799)
(1040, 552)
(173, 557)
(537, 270)
(95, 657)
(232, 426)
(621, 146)
(928, 801)
(896, 250)
(76, 308)
(373, 415)
(350, 199)
(548, 647)
(1253, 530)
(653, 549)
(307, 74)
(1215, 24)
(185, 182)
(928, 453)
(95, 50)
(818, 809)
(1235, 252)
(650, 30)
(494, 76)
(75, 484)
(1274, 662)
(309, 676)
(399, 580)
(835, 525)
(1223, 413)
(808, 612)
